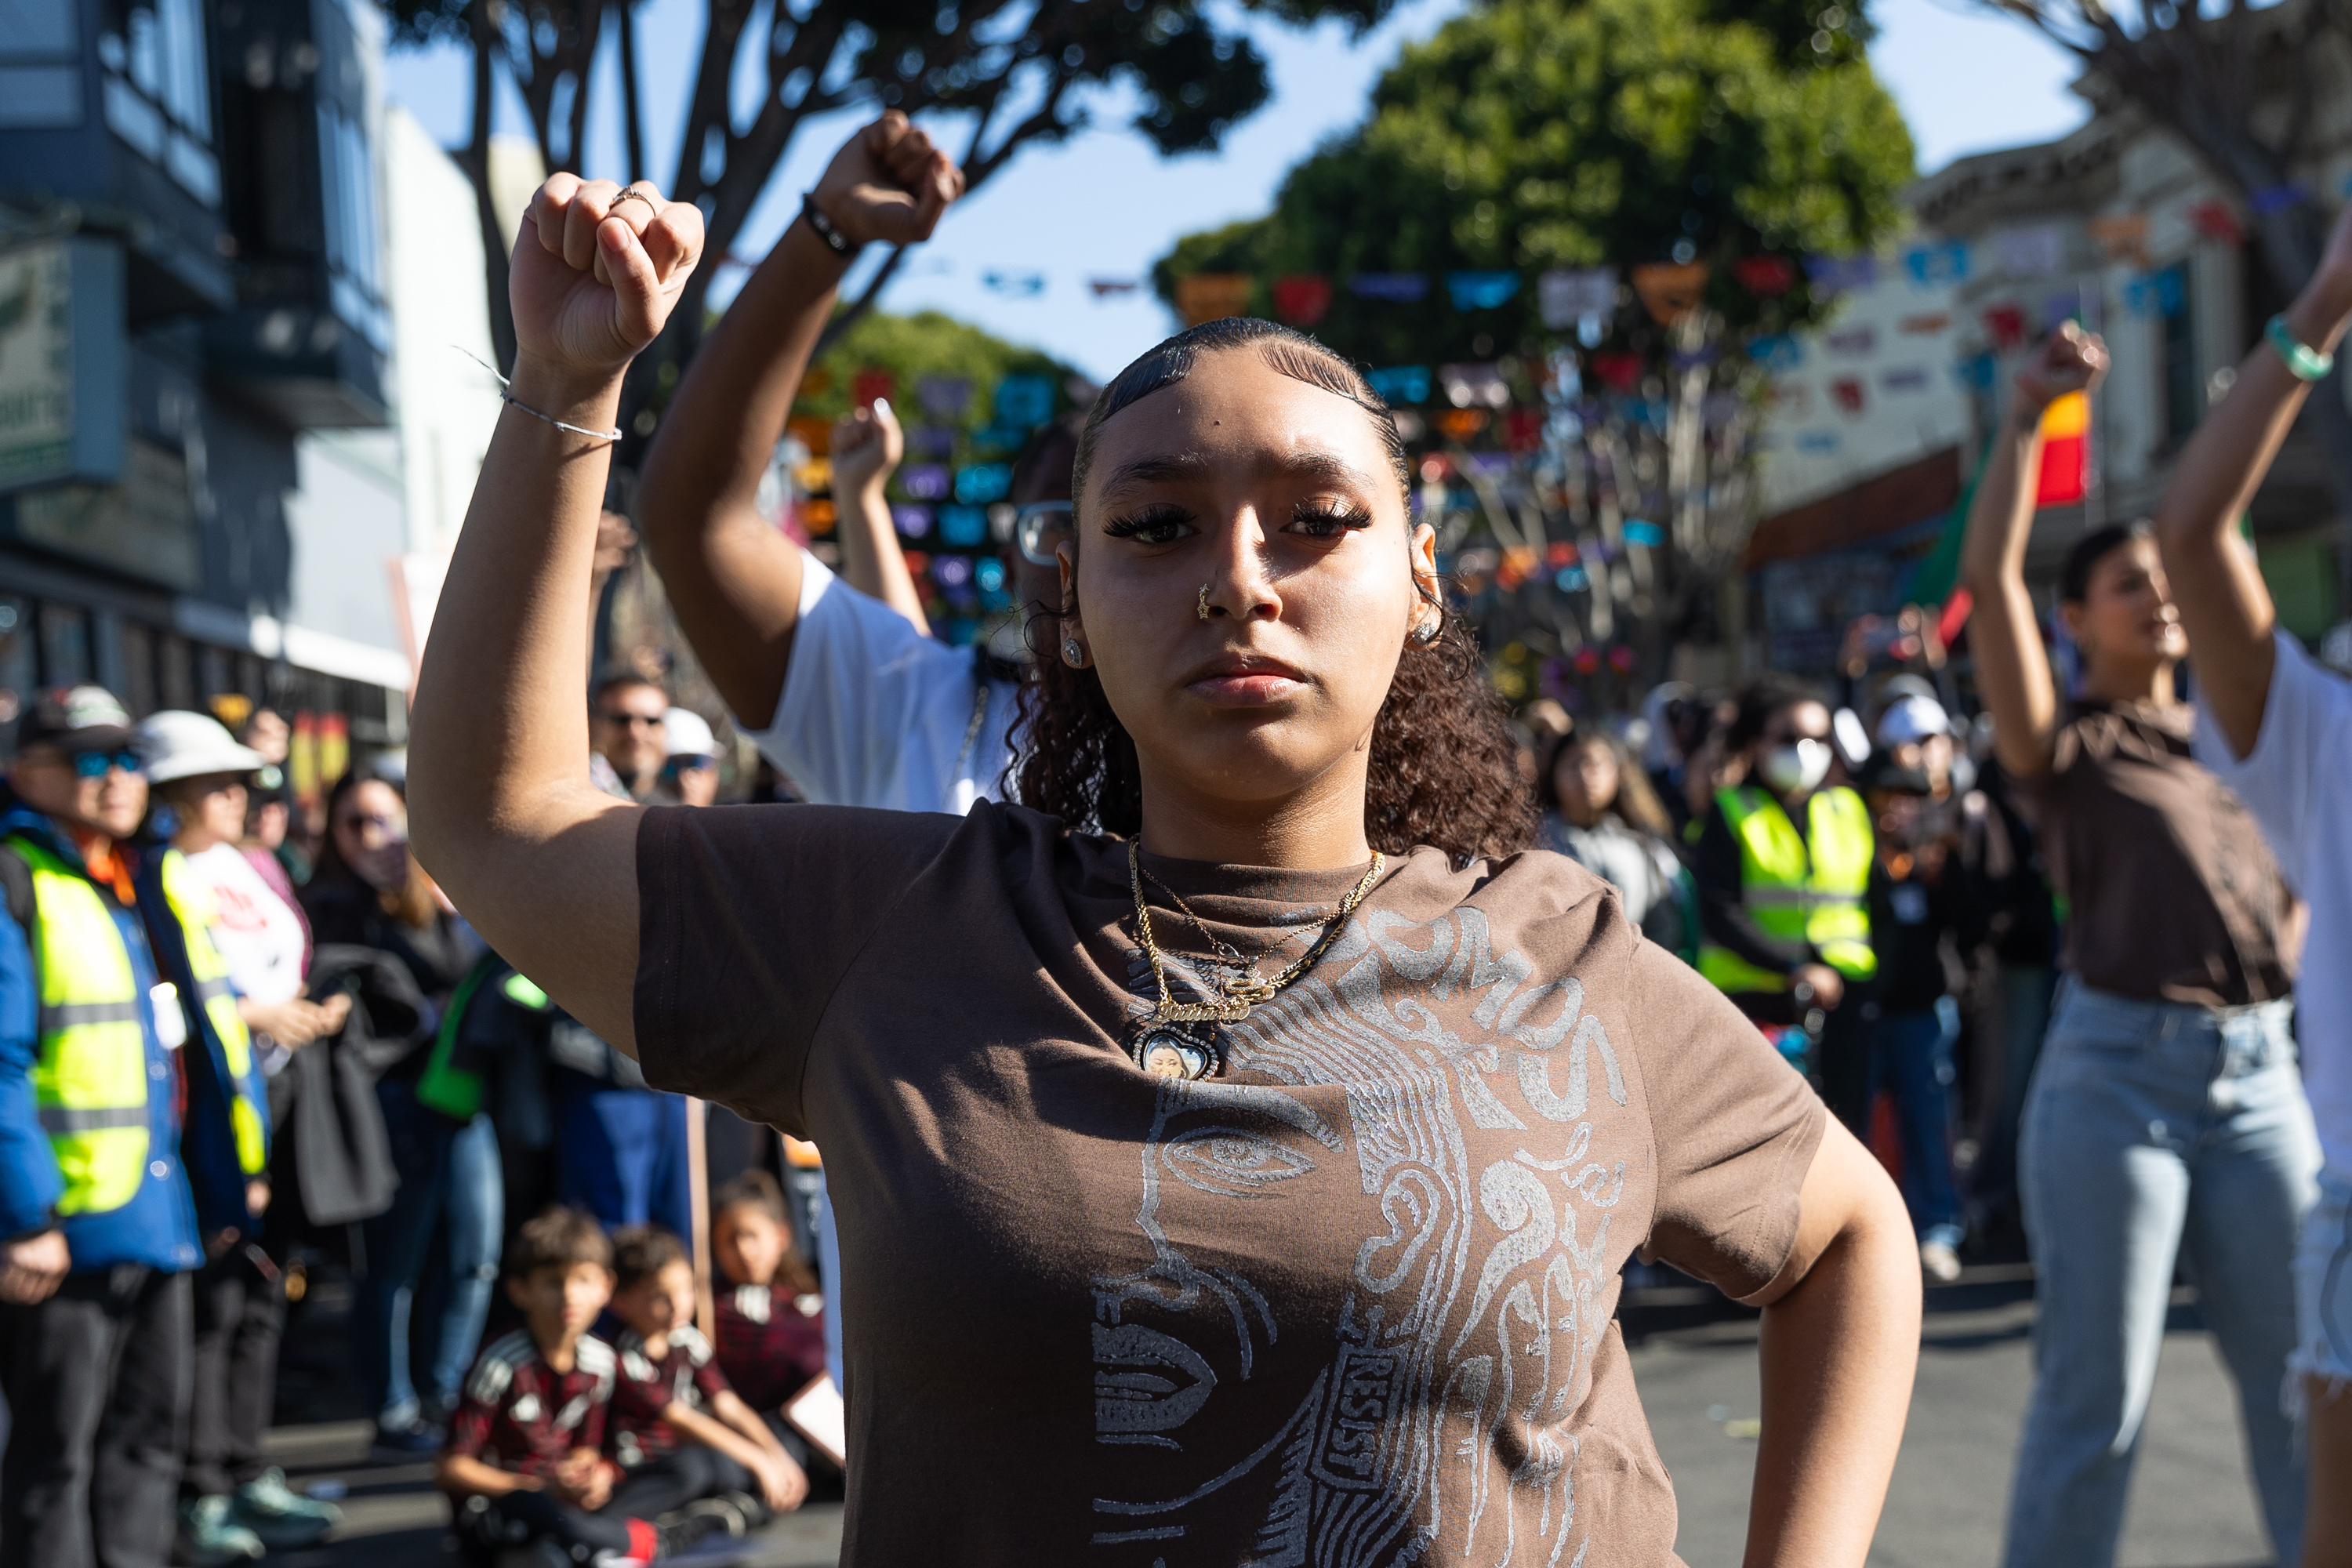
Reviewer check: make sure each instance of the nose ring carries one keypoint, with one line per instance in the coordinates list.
(1202, 609)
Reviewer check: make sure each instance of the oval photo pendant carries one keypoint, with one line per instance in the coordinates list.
(1164, 1052)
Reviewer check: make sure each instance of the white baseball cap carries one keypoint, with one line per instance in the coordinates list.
(178, 744)
(685, 734)
(1913, 718)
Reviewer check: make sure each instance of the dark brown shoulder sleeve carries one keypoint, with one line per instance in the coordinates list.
(1735, 1127)
(748, 917)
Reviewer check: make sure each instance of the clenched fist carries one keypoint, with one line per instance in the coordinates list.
(597, 269)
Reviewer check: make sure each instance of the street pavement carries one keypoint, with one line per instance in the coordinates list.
(2191, 1506)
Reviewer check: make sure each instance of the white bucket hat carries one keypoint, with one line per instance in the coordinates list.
(178, 745)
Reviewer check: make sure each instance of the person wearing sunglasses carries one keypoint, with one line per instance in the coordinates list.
(110, 1191)
(627, 712)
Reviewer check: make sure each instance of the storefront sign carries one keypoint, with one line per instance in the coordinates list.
(145, 526)
(61, 328)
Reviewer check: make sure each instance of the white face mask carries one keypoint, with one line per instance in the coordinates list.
(1798, 767)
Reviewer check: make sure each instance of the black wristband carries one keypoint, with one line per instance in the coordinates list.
(834, 240)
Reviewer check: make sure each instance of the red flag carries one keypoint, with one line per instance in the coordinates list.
(868, 384)
(1302, 298)
(2066, 477)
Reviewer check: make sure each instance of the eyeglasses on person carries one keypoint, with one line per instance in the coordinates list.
(632, 719)
(1037, 526)
(98, 764)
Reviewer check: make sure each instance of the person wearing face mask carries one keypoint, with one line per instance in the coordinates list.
(1784, 911)
(2165, 1116)
(130, 1127)
(369, 892)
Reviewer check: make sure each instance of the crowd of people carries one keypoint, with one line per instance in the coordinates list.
(1214, 876)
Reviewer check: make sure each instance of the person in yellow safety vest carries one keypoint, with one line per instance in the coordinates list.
(109, 1192)
(1782, 865)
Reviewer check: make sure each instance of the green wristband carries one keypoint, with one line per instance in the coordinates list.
(2306, 363)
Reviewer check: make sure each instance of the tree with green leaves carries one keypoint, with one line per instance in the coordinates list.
(994, 75)
(1533, 134)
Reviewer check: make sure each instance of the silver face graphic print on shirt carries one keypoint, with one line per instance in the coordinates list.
(1477, 1120)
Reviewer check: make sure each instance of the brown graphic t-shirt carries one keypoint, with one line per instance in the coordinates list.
(1349, 1303)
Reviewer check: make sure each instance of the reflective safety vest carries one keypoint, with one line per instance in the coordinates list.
(91, 1082)
(1813, 889)
(193, 911)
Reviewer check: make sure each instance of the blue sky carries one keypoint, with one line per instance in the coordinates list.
(1103, 205)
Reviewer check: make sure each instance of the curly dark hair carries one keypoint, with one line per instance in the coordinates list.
(1444, 768)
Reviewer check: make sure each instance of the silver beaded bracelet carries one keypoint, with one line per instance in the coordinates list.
(508, 397)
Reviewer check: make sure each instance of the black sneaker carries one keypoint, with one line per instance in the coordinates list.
(693, 1524)
(755, 1513)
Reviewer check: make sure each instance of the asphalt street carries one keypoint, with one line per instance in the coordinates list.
(2191, 1505)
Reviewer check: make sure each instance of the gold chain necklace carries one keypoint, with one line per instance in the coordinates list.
(1170, 1042)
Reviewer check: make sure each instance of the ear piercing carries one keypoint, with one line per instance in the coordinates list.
(1426, 632)
(1202, 609)
(1073, 655)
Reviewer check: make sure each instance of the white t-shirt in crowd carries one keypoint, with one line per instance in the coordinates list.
(874, 713)
(259, 938)
(2295, 782)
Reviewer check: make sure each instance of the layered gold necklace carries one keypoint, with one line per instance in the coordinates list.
(1186, 1039)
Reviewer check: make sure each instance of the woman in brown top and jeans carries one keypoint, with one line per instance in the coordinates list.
(2166, 1110)
(1222, 1176)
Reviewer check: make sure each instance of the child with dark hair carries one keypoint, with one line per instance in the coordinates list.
(771, 1320)
(524, 1465)
(677, 1431)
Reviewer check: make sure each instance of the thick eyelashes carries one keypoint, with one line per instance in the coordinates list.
(1315, 519)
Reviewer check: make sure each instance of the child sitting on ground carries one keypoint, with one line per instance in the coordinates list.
(771, 1318)
(677, 1430)
(524, 1465)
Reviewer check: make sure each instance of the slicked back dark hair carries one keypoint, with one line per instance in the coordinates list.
(1285, 349)
(2074, 576)
(1444, 768)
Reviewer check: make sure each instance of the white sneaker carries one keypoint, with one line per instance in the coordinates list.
(1940, 1262)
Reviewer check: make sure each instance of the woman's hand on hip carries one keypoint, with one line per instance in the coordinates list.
(596, 271)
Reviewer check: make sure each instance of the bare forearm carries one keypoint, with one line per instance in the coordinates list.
(712, 1433)
(734, 581)
(501, 731)
(871, 561)
(462, 1475)
(729, 1407)
(2011, 666)
(2225, 606)
(1837, 1353)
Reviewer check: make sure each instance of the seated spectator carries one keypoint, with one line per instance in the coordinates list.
(524, 1464)
(677, 1430)
(771, 1319)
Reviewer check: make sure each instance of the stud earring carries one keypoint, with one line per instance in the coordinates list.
(1202, 609)
(1073, 655)
(1426, 632)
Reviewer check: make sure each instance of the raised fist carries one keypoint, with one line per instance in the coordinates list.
(866, 446)
(888, 183)
(597, 270)
(2068, 359)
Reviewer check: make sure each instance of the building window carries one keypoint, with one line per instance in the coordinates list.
(2184, 381)
(355, 252)
(156, 87)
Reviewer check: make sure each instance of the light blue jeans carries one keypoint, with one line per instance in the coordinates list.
(2149, 1126)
